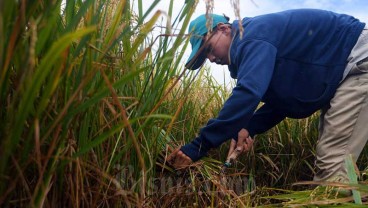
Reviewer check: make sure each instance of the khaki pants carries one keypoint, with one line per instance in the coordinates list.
(343, 127)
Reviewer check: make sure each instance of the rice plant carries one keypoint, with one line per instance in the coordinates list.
(92, 100)
(81, 96)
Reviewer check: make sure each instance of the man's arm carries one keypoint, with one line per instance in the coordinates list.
(263, 119)
(255, 63)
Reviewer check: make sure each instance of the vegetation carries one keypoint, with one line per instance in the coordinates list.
(93, 96)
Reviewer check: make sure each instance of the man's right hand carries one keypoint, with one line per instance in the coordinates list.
(244, 144)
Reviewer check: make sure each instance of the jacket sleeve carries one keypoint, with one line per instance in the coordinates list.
(264, 119)
(255, 60)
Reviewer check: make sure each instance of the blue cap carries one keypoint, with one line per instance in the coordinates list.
(198, 29)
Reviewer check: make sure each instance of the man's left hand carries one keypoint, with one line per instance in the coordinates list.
(178, 159)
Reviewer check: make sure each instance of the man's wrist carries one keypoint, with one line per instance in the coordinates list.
(195, 150)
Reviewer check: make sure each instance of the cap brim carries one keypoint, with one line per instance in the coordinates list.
(196, 58)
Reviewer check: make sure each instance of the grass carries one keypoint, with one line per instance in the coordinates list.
(92, 100)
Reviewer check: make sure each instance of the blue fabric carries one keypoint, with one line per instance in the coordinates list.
(292, 61)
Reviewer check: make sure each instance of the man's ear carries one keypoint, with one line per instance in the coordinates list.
(223, 27)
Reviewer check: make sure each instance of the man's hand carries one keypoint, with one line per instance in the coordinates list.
(244, 144)
(178, 159)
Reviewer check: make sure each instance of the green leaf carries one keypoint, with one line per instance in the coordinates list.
(353, 178)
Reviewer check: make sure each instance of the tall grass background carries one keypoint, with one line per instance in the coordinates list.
(92, 101)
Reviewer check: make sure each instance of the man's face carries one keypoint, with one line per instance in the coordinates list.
(218, 44)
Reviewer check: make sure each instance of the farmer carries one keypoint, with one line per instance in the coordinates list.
(295, 62)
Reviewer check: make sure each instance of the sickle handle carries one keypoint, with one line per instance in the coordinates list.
(232, 157)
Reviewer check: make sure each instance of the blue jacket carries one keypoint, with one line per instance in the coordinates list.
(292, 61)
